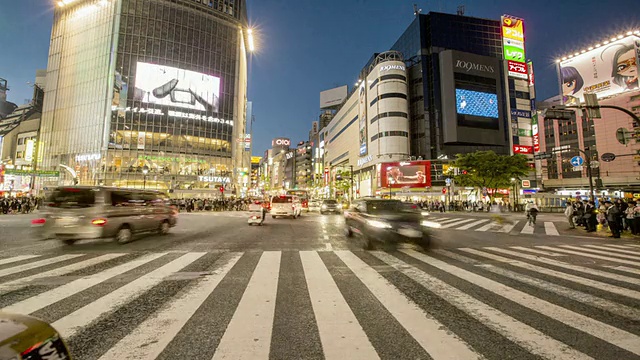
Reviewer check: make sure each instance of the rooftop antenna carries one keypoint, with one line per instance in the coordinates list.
(460, 10)
(416, 11)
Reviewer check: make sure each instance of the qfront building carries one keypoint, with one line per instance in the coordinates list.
(147, 93)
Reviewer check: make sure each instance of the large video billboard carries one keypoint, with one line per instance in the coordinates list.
(412, 174)
(166, 85)
(362, 118)
(476, 103)
(606, 70)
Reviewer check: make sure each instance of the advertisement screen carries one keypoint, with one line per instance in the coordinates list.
(606, 70)
(362, 118)
(476, 103)
(166, 85)
(406, 174)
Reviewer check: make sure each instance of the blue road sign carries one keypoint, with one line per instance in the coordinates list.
(577, 161)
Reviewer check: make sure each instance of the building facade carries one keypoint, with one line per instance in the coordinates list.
(147, 89)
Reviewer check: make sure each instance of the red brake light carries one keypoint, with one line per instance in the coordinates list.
(99, 222)
(38, 221)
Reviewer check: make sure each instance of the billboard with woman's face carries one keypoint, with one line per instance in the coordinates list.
(606, 70)
(406, 174)
(362, 118)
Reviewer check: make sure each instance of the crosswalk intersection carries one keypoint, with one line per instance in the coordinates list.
(493, 225)
(554, 302)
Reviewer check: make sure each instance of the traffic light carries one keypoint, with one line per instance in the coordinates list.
(554, 114)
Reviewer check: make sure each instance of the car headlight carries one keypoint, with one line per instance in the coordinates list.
(324, 206)
(425, 213)
(431, 224)
(379, 224)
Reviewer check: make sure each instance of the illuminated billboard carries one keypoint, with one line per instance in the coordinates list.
(362, 118)
(412, 174)
(333, 97)
(513, 46)
(606, 70)
(166, 85)
(476, 103)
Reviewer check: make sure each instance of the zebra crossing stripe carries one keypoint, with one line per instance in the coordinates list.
(487, 227)
(455, 223)
(160, 329)
(447, 220)
(25, 281)
(37, 264)
(16, 259)
(475, 223)
(339, 329)
(248, 335)
(40, 301)
(550, 229)
(527, 229)
(598, 329)
(579, 296)
(508, 227)
(522, 334)
(545, 253)
(615, 250)
(624, 269)
(430, 334)
(583, 252)
(620, 246)
(561, 264)
(611, 252)
(74, 322)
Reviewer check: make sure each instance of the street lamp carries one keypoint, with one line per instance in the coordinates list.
(145, 171)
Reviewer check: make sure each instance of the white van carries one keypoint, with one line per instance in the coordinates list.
(286, 205)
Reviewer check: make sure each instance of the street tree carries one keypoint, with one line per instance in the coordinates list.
(488, 170)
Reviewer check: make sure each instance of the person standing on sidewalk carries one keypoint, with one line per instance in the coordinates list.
(630, 215)
(568, 213)
(613, 218)
(590, 216)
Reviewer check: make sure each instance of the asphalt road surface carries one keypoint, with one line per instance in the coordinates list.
(216, 288)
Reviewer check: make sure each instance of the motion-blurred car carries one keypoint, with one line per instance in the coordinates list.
(27, 338)
(330, 206)
(385, 222)
(84, 212)
(286, 205)
(314, 205)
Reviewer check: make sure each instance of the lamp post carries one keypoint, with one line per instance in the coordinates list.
(145, 171)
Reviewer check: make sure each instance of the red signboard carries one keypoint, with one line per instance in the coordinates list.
(522, 149)
(413, 174)
(517, 69)
(536, 142)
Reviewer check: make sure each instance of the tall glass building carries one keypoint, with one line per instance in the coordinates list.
(147, 93)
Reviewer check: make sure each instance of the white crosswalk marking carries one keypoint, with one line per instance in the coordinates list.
(248, 335)
(506, 228)
(160, 329)
(475, 223)
(340, 331)
(17, 258)
(427, 297)
(456, 223)
(487, 227)
(73, 322)
(446, 221)
(613, 335)
(431, 335)
(529, 338)
(550, 229)
(527, 229)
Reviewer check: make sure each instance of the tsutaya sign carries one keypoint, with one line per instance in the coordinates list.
(364, 160)
(214, 179)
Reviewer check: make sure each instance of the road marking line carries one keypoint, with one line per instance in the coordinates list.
(487, 227)
(613, 251)
(328, 247)
(550, 229)
(248, 335)
(563, 265)
(434, 337)
(594, 251)
(542, 252)
(449, 220)
(579, 296)
(624, 269)
(527, 229)
(506, 228)
(340, 332)
(160, 329)
(475, 223)
(520, 333)
(17, 258)
(74, 322)
(47, 298)
(25, 281)
(583, 253)
(620, 246)
(448, 225)
(606, 332)
(37, 264)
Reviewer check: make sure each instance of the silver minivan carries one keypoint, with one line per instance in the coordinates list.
(75, 213)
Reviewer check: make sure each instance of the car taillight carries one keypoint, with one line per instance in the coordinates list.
(99, 222)
(38, 221)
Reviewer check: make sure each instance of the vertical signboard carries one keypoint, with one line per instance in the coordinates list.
(28, 153)
(536, 133)
(362, 118)
(247, 142)
(513, 46)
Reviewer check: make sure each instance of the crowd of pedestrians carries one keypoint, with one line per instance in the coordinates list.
(619, 216)
(190, 205)
(19, 205)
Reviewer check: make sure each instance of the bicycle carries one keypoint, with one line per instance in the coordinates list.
(531, 215)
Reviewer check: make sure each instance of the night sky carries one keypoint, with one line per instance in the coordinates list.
(307, 46)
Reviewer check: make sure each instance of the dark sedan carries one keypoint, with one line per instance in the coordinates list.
(385, 222)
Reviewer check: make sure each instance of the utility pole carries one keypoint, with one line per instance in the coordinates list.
(351, 191)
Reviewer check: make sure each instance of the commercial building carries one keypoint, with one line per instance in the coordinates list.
(303, 166)
(147, 93)
(606, 69)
